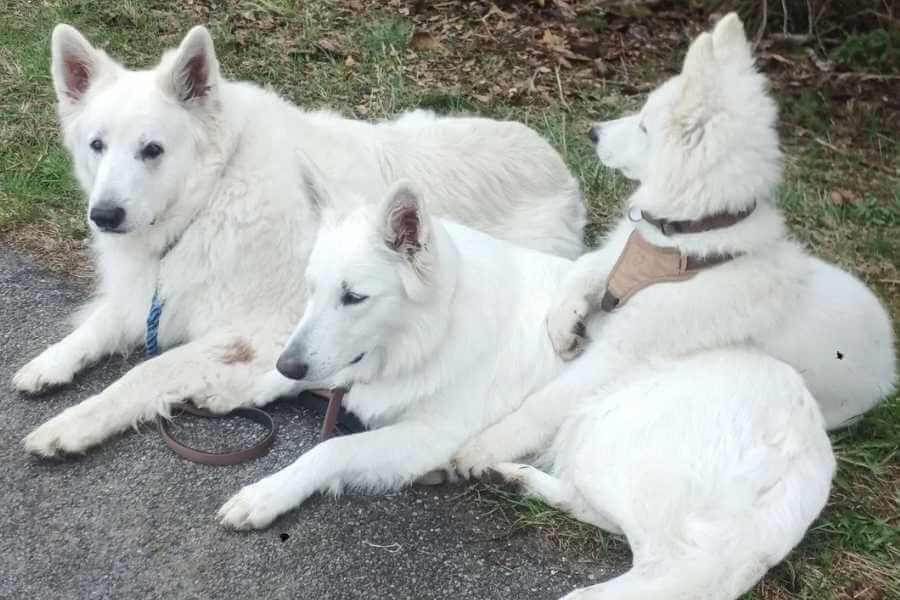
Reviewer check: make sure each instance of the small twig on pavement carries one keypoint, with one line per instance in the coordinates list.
(392, 548)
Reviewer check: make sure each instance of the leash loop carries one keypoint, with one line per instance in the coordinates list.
(229, 457)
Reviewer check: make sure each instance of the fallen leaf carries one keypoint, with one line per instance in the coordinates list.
(331, 47)
(422, 40)
(551, 39)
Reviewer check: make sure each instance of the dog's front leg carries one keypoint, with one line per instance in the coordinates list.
(272, 385)
(103, 332)
(532, 427)
(382, 459)
(202, 370)
(580, 293)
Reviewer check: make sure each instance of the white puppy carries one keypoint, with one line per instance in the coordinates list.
(195, 200)
(705, 144)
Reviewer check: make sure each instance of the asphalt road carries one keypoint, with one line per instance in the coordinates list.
(132, 520)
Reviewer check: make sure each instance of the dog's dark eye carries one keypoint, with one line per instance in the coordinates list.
(351, 298)
(151, 151)
(97, 145)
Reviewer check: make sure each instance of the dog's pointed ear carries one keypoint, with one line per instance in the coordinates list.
(405, 223)
(730, 44)
(700, 81)
(314, 185)
(195, 71)
(406, 231)
(75, 64)
(700, 62)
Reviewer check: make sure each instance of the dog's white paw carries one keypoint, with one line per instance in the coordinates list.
(271, 386)
(217, 403)
(50, 368)
(565, 326)
(254, 507)
(473, 460)
(511, 473)
(69, 432)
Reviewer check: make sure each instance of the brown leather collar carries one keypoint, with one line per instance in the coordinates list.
(707, 223)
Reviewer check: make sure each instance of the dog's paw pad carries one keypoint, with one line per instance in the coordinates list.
(579, 330)
(507, 474)
(248, 509)
(494, 477)
(43, 443)
(43, 373)
(566, 328)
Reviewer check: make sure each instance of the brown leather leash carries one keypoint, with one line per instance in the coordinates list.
(232, 457)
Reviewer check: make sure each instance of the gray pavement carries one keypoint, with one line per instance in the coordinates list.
(132, 520)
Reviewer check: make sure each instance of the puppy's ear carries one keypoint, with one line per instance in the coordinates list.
(75, 65)
(700, 62)
(314, 185)
(730, 44)
(194, 73)
(696, 103)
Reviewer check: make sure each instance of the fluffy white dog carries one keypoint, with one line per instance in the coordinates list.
(202, 227)
(705, 144)
(713, 463)
(713, 466)
(437, 328)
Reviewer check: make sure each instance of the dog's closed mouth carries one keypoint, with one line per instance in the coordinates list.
(357, 359)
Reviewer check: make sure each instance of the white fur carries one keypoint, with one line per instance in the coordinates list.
(672, 426)
(227, 191)
(451, 338)
(705, 142)
(710, 455)
(713, 465)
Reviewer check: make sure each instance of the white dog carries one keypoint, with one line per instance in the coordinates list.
(713, 466)
(195, 201)
(437, 328)
(712, 462)
(705, 143)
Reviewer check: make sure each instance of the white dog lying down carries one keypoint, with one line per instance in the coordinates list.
(713, 467)
(438, 329)
(195, 197)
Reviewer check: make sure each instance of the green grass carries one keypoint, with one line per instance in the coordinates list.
(324, 54)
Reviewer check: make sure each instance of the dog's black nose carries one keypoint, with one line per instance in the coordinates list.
(290, 367)
(592, 133)
(107, 216)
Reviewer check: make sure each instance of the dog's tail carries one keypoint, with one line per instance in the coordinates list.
(694, 577)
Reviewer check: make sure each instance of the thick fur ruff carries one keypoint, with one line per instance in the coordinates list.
(195, 189)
